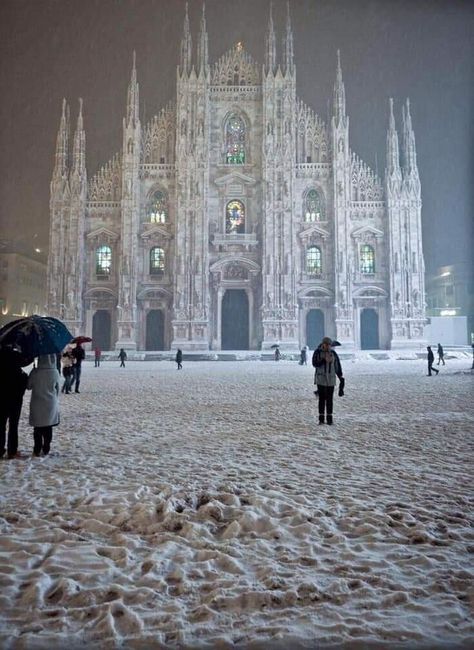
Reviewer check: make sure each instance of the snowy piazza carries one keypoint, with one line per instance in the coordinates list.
(206, 508)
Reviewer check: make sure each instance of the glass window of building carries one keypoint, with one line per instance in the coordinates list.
(158, 208)
(103, 260)
(367, 259)
(314, 207)
(235, 140)
(157, 261)
(235, 218)
(313, 260)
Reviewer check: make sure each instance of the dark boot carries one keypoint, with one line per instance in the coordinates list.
(329, 419)
(321, 419)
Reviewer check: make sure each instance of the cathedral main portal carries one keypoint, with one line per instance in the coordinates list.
(235, 320)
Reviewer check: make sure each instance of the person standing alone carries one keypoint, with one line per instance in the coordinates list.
(431, 361)
(97, 355)
(327, 367)
(122, 357)
(79, 355)
(179, 359)
(440, 354)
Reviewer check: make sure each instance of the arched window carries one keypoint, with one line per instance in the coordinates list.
(158, 208)
(103, 260)
(313, 260)
(235, 140)
(235, 218)
(314, 207)
(157, 261)
(367, 259)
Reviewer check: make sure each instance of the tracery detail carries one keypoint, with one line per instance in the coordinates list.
(311, 136)
(236, 68)
(106, 185)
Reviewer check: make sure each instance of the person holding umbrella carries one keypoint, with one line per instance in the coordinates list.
(327, 367)
(12, 388)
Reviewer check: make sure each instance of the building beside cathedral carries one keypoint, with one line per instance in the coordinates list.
(237, 219)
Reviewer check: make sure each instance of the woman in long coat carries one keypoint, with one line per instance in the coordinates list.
(44, 406)
(327, 367)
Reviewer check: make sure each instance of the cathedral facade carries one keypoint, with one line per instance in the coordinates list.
(237, 219)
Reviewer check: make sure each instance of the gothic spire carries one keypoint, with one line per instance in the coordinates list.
(133, 97)
(339, 93)
(270, 46)
(408, 143)
(393, 160)
(288, 61)
(62, 143)
(79, 147)
(186, 46)
(203, 54)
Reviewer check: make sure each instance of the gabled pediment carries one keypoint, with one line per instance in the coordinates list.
(235, 177)
(155, 231)
(366, 231)
(315, 231)
(103, 233)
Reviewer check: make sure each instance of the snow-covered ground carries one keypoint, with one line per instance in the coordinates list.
(205, 508)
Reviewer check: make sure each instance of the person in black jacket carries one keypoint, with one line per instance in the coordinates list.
(13, 383)
(431, 361)
(327, 367)
(179, 359)
(440, 354)
(122, 357)
(79, 355)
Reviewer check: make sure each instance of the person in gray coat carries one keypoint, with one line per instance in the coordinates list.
(327, 367)
(44, 406)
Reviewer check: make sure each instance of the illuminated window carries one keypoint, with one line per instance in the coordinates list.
(313, 260)
(103, 260)
(367, 259)
(235, 140)
(235, 217)
(158, 208)
(157, 261)
(314, 207)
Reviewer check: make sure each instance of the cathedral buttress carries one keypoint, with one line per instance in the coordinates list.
(75, 237)
(130, 216)
(344, 262)
(59, 219)
(191, 286)
(279, 246)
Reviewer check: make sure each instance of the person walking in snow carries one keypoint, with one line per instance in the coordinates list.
(179, 359)
(440, 354)
(12, 388)
(327, 367)
(67, 363)
(277, 354)
(303, 361)
(431, 361)
(79, 355)
(44, 405)
(97, 355)
(122, 357)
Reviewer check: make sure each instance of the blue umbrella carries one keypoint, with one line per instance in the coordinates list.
(36, 335)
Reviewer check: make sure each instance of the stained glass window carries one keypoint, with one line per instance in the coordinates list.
(157, 261)
(103, 260)
(314, 207)
(313, 260)
(235, 217)
(158, 208)
(235, 140)
(367, 259)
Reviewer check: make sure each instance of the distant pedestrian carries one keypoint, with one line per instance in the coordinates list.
(179, 358)
(67, 363)
(97, 356)
(79, 355)
(44, 405)
(277, 354)
(303, 359)
(12, 388)
(440, 354)
(327, 367)
(431, 361)
(122, 357)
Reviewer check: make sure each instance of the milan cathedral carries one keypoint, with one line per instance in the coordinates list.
(237, 219)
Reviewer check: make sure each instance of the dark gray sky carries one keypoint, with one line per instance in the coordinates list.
(50, 49)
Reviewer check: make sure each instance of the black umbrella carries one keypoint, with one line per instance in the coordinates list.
(275, 345)
(334, 344)
(36, 335)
